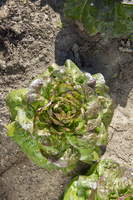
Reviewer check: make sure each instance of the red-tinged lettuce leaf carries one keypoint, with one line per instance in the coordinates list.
(123, 180)
(85, 145)
(73, 68)
(97, 153)
(63, 88)
(19, 134)
(90, 81)
(31, 147)
(108, 106)
(96, 121)
(120, 181)
(75, 97)
(34, 90)
(24, 121)
(80, 90)
(91, 195)
(63, 75)
(85, 79)
(85, 185)
(25, 115)
(102, 135)
(14, 99)
(106, 180)
(125, 197)
(71, 191)
(100, 81)
(40, 90)
(106, 164)
(69, 158)
(61, 154)
(49, 70)
(90, 93)
(106, 189)
(62, 116)
(92, 108)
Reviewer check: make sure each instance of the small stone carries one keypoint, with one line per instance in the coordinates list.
(46, 16)
(61, 186)
(46, 7)
(128, 44)
(80, 25)
(17, 19)
(46, 11)
(125, 50)
(2, 65)
(75, 48)
(122, 43)
(18, 27)
(31, 180)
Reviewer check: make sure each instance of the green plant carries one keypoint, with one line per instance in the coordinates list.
(115, 75)
(112, 18)
(95, 52)
(123, 51)
(106, 180)
(62, 117)
(60, 25)
(107, 66)
(27, 69)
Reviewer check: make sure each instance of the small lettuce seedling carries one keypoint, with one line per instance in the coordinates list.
(112, 18)
(106, 180)
(62, 117)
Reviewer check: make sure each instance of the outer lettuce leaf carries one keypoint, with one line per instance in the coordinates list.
(62, 117)
(111, 18)
(31, 147)
(106, 180)
(14, 99)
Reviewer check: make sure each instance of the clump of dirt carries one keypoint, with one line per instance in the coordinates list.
(34, 34)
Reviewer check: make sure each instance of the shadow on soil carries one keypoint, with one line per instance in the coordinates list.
(94, 55)
(2, 2)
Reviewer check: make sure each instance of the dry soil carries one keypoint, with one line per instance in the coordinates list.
(34, 34)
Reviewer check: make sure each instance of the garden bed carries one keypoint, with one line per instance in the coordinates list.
(34, 34)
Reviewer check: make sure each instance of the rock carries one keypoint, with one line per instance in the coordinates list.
(2, 65)
(75, 48)
(79, 25)
(122, 43)
(128, 44)
(18, 27)
(4, 12)
(125, 50)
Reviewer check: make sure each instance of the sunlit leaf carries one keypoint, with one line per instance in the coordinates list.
(62, 117)
(112, 182)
